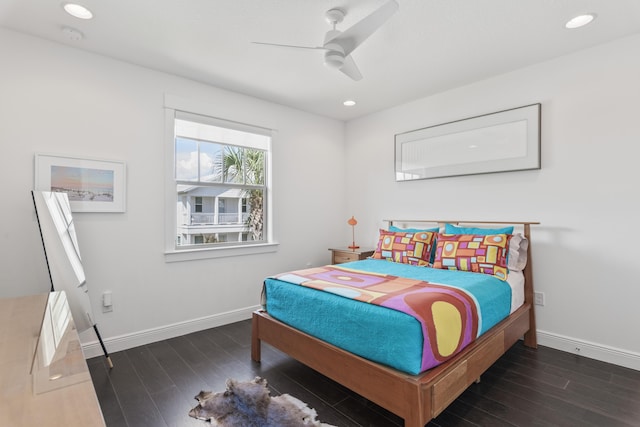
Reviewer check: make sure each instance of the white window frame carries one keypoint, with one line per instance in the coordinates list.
(172, 105)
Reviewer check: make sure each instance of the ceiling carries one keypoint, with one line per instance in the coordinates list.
(427, 47)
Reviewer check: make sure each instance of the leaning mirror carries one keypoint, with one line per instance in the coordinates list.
(58, 359)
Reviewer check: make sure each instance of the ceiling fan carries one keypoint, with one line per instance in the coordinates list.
(338, 45)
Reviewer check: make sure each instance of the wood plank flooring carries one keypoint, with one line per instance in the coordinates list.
(154, 385)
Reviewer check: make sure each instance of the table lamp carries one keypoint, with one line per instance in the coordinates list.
(352, 222)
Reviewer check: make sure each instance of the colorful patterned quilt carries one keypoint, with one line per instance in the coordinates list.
(448, 315)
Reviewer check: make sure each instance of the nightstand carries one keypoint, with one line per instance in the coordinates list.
(340, 255)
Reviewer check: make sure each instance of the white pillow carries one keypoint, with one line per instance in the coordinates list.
(518, 246)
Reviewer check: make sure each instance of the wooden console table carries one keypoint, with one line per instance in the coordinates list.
(69, 406)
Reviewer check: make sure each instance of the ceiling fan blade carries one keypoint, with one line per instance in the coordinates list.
(351, 69)
(359, 32)
(293, 46)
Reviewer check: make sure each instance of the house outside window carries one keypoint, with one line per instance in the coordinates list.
(220, 181)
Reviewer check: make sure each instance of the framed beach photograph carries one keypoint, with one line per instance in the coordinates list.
(91, 185)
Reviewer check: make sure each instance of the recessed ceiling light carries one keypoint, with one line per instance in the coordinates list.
(349, 103)
(580, 21)
(78, 11)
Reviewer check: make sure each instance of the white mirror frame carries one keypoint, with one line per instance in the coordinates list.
(498, 142)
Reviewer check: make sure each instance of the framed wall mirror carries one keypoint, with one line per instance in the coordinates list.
(498, 142)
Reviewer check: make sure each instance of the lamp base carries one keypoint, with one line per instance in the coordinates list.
(353, 247)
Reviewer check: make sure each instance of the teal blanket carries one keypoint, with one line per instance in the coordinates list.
(378, 333)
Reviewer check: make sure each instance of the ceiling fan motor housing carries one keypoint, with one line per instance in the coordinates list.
(333, 59)
(334, 55)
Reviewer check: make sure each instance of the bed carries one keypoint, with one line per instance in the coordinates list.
(415, 394)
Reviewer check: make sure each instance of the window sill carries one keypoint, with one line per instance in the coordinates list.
(228, 251)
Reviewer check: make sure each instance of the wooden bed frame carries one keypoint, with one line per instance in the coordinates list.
(415, 398)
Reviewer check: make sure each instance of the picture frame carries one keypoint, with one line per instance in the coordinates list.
(503, 141)
(92, 185)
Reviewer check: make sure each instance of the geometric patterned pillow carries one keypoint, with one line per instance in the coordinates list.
(405, 247)
(472, 252)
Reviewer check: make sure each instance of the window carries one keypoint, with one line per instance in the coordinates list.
(219, 184)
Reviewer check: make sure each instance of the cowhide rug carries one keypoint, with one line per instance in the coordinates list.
(249, 404)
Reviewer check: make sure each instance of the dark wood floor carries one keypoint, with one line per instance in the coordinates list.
(154, 385)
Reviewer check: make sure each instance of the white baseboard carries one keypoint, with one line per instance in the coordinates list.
(617, 356)
(600, 352)
(124, 342)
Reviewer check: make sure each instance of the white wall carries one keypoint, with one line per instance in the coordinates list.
(585, 196)
(59, 100)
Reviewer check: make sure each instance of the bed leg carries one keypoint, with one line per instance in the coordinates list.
(255, 341)
(530, 339)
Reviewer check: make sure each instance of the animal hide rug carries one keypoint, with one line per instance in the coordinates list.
(249, 404)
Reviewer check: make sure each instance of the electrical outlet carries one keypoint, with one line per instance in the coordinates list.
(538, 298)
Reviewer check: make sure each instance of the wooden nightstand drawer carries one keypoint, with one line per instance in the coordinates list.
(340, 255)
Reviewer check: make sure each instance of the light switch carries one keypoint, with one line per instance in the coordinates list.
(106, 299)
